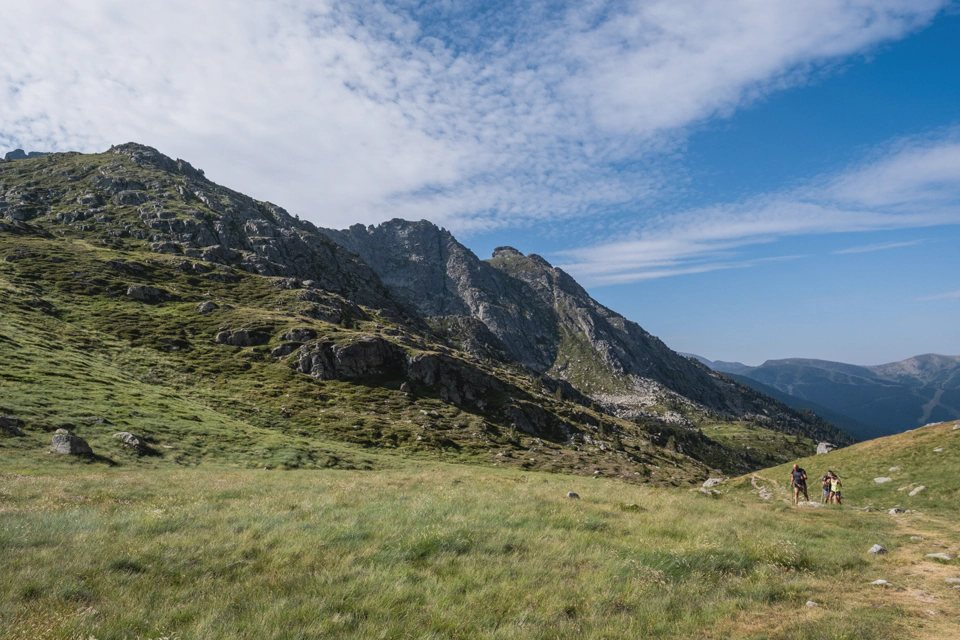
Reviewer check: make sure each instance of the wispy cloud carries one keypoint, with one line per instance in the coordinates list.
(878, 247)
(473, 116)
(942, 296)
(860, 199)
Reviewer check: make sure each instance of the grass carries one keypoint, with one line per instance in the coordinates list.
(437, 551)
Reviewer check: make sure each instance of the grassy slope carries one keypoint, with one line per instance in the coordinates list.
(440, 551)
(76, 348)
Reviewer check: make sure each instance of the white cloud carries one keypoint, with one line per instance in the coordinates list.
(346, 112)
(942, 296)
(889, 193)
(878, 247)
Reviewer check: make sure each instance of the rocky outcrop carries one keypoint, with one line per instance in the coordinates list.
(241, 338)
(20, 154)
(367, 355)
(142, 293)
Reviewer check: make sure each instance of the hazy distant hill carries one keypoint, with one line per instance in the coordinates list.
(885, 399)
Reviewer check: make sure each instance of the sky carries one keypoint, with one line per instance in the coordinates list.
(747, 179)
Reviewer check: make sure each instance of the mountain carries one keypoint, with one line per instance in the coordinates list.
(887, 399)
(535, 314)
(139, 295)
(721, 365)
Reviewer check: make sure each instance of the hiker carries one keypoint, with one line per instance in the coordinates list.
(825, 485)
(798, 479)
(835, 485)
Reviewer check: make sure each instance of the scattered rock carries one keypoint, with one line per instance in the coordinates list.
(239, 338)
(298, 334)
(69, 444)
(952, 580)
(877, 550)
(811, 503)
(894, 469)
(956, 426)
(882, 480)
(894, 512)
(811, 603)
(917, 490)
(917, 538)
(825, 447)
(61, 430)
(572, 495)
(406, 388)
(940, 556)
(142, 293)
(712, 482)
(938, 450)
(10, 425)
(881, 583)
(132, 440)
(284, 350)
(207, 307)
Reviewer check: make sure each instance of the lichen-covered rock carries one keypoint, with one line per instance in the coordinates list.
(240, 338)
(132, 441)
(143, 293)
(368, 355)
(298, 334)
(67, 443)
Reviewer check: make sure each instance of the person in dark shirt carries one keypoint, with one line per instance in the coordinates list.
(825, 484)
(798, 480)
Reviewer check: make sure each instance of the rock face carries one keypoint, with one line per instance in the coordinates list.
(10, 425)
(67, 443)
(20, 154)
(530, 312)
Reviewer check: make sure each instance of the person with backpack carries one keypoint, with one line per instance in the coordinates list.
(798, 480)
(825, 485)
(835, 485)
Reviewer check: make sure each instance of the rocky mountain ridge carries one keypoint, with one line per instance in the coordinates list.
(542, 318)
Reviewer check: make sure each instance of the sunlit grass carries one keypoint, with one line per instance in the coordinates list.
(434, 551)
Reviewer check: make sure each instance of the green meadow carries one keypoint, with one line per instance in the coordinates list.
(436, 550)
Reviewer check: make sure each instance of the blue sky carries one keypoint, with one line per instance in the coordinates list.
(747, 179)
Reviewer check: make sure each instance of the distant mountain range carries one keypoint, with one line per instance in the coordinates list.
(866, 402)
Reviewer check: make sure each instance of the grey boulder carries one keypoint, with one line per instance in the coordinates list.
(142, 293)
(67, 443)
(207, 307)
(824, 447)
(877, 550)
